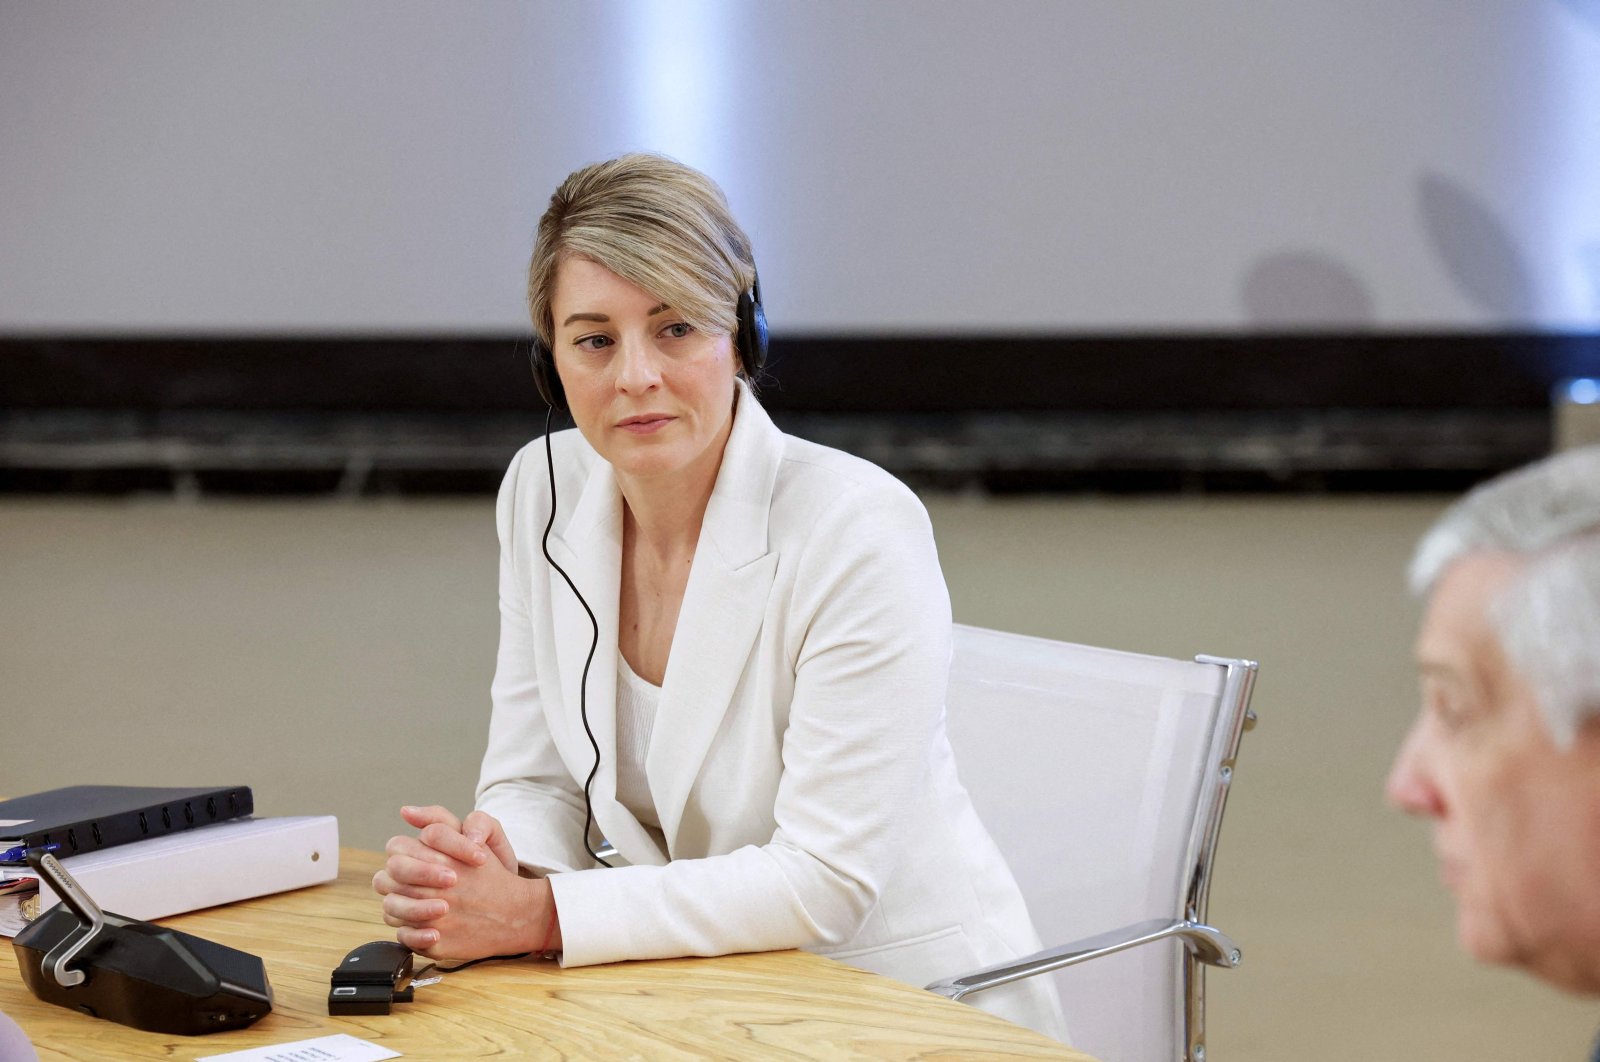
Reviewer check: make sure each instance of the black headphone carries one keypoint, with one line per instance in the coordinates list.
(750, 342)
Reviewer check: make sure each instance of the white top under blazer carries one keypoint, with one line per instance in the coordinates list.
(798, 761)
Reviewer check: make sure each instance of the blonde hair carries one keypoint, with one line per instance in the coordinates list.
(655, 223)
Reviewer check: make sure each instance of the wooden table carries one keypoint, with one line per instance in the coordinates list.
(788, 1004)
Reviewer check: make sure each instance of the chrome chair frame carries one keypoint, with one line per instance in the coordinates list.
(1203, 944)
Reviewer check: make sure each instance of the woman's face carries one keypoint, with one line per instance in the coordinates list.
(650, 392)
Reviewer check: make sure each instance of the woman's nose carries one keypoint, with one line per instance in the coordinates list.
(637, 369)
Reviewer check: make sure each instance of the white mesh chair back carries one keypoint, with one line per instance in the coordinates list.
(1090, 766)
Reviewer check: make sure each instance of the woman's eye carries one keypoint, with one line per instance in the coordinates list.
(593, 343)
(679, 330)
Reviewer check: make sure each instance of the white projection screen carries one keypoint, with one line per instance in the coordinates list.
(1011, 166)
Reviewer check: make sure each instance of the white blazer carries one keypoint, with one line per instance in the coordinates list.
(805, 787)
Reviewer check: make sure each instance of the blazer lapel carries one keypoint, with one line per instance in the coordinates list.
(723, 605)
(589, 548)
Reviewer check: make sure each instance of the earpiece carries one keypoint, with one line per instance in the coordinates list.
(545, 377)
(750, 343)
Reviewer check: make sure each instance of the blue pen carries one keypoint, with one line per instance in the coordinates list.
(20, 852)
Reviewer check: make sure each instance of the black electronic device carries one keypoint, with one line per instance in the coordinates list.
(85, 818)
(134, 973)
(369, 979)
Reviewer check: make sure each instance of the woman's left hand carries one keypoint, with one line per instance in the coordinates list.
(464, 839)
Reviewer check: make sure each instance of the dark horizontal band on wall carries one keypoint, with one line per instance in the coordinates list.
(192, 452)
(837, 374)
(362, 416)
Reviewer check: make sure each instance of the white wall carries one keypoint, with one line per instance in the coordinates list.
(929, 166)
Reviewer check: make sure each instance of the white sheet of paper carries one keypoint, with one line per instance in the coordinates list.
(340, 1048)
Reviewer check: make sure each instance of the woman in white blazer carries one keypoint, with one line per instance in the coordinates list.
(723, 649)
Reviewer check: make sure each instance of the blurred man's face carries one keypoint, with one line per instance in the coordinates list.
(1516, 820)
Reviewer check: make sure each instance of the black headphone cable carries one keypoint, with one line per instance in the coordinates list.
(583, 687)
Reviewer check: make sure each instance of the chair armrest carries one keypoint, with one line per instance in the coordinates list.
(1207, 944)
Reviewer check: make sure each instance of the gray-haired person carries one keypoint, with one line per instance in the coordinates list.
(1504, 758)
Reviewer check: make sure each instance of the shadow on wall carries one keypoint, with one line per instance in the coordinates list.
(1311, 289)
(1305, 289)
(1478, 253)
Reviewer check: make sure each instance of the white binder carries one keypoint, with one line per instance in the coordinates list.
(207, 866)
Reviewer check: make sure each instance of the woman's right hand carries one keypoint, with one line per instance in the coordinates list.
(454, 890)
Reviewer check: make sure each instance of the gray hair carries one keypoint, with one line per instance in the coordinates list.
(1548, 620)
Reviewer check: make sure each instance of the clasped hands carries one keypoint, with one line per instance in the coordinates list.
(455, 891)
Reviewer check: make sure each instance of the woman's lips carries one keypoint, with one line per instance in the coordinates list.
(645, 425)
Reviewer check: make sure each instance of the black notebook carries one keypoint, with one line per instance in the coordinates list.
(84, 818)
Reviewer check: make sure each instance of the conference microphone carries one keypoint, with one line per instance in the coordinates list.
(132, 972)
